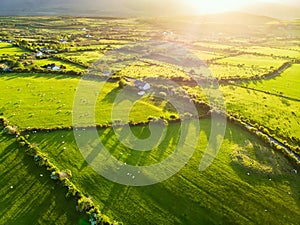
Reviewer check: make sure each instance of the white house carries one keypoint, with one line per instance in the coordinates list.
(55, 68)
(141, 93)
(146, 87)
(39, 54)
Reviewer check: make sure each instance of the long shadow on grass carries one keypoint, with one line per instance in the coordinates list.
(264, 166)
(33, 199)
(110, 97)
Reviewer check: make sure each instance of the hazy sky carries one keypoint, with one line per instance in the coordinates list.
(212, 6)
(148, 7)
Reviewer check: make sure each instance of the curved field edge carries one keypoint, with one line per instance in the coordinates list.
(248, 183)
(286, 84)
(278, 115)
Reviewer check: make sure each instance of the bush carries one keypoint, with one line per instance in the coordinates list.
(122, 83)
(3, 122)
(11, 130)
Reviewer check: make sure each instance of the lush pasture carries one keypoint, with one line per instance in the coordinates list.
(253, 61)
(248, 183)
(144, 70)
(206, 55)
(69, 66)
(273, 51)
(227, 71)
(217, 46)
(8, 49)
(45, 100)
(82, 48)
(26, 197)
(288, 83)
(99, 46)
(86, 56)
(222, 194)
(278, 114)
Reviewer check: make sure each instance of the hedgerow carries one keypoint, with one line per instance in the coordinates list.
(84, 204)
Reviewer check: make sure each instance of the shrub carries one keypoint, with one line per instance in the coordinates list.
(173, 117)
(11, 129)
(3, 122)
(122, 83)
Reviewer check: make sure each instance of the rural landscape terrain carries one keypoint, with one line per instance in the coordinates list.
(240, 71)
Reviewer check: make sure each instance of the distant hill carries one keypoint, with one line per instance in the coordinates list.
(237, 18)
(138, 8)
(280, 11)
(58, 7)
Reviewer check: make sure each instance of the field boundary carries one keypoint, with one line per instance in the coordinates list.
(84, 203)
(267, 92)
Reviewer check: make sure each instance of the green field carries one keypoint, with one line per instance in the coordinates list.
(228, 71)
(216, 46)
(69, 66)
(206, 55)
(223, 193)
(253, 61)
(8, 49)
(144, 70)
(278, 114)
(86, 56)
(254, 178)
(45, 100)
(273, 51)
(26, 197)
(287, 84)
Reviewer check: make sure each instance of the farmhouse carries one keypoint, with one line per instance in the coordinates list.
(141, 93)
(142, 85)
(39, 54)
(54, 67)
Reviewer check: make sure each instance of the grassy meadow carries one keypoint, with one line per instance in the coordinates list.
(287, 84)
(248, 182)
(224, 193)
(229, 71)
(253, 61)
(278, 114)
(46, 100)
(27, 194)
(8, 49)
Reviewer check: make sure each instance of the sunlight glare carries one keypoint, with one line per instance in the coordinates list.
(216, 6)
